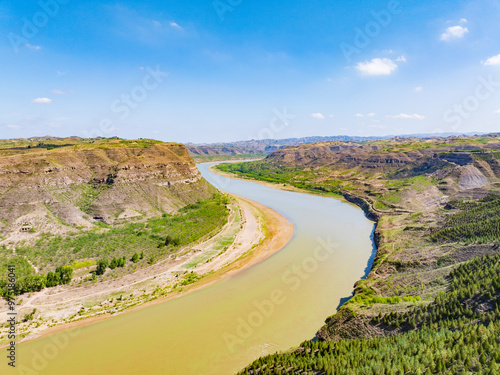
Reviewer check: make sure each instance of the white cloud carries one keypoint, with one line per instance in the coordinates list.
(160, 25)
(11, 126)
(454, 32)
(58, 92)
(318, 115)
(494, 60)
(463, 20)
(497, 111)
(405, 116)
(42, 101)
(371, 114)
(34, 48)
(360, 115)
(379, 67)
(418, 88)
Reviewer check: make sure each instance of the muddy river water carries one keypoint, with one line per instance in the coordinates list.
(273, 305)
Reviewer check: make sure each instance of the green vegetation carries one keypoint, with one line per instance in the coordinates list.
(61, 276)
(295, 177)
(29, 316)
(21, 264)
(475, 349)
(458, 333)
(473, 296)
(378, 299)
(190, 278)
(83, 264)
(156, 238)
(102, 264)
(89, 193)
(117, 262)
(476, 222)
(56, 143)
(26, 282)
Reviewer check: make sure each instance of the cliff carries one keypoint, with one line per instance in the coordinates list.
(56, 186)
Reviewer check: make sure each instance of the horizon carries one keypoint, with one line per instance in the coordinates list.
(388, 136)
(249, 71)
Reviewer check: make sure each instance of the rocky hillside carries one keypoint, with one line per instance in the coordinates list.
(459, 164)
(57, 185)
(393, 154)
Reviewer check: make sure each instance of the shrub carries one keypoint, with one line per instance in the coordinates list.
(102, 264)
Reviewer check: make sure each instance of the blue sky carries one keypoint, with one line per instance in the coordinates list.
(207, 71)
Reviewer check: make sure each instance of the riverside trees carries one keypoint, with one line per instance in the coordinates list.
(35, 283)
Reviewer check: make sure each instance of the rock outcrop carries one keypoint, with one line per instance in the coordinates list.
(82, 182)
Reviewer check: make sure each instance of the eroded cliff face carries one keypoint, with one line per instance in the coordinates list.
(346, 156)
(407, 158)
(80, 184)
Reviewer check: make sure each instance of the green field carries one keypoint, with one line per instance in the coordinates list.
(295, 177)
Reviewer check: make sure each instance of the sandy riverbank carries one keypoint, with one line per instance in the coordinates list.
(262, 233)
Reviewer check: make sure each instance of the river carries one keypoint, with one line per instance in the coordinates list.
(270, 306)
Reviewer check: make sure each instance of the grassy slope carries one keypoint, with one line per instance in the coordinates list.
(421, 240)
(188, 225)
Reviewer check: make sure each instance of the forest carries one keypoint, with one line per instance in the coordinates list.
(474, 222)
(458, 333)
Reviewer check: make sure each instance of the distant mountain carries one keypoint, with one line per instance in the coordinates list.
(435, 135)
(264, 146)
(267, 146)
